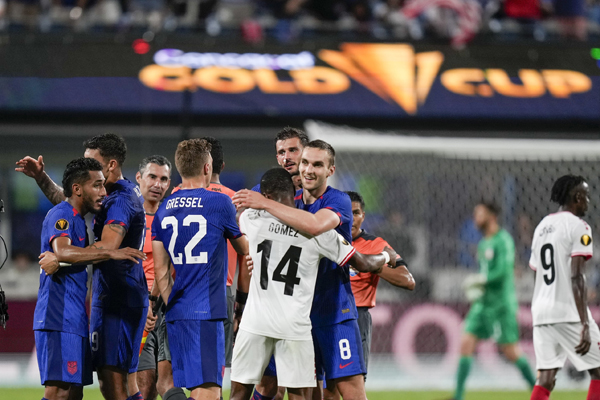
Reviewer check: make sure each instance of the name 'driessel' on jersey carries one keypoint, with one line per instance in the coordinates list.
(189, 202)
(282, 229)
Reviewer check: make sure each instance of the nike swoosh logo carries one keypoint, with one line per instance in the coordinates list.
(345, 365)
(82, 239)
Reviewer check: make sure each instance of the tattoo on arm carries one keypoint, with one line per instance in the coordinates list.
(51, 190)
(117, 228)
(94, 246)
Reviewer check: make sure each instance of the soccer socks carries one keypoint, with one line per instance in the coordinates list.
(540, 393)
(594, 390)
(526, 371)
(464, 366)
(175, 394)
(137, 396)
(258, 396)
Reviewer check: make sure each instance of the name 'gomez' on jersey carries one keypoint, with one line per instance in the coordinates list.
(556, 239)
(121, 283)
(193, 225)
(61, 297)
(334, 301)
(283, 284)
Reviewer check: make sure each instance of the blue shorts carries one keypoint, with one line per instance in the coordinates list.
(271, 370)
(338, 350)
(116, 335)
(197, 352)
(63, 357)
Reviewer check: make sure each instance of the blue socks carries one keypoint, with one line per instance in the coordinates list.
(137, 396)
(258, 396)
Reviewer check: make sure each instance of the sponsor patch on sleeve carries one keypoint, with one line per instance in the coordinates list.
(586, 240)
(62, 225)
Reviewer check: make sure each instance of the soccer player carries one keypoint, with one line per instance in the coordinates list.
(563, 326)
(338, 347)
(120, 292)
(60, 319)
(289, 143)
(154, 373)
(190, 230)
(494, 313)
(277, 316)
(364, 284)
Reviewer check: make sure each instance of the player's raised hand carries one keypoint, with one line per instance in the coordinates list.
(150, 320)
(31, 167)
(127, 254)
(584, 344)
(49, 262)
(249, 264)
(249, 199)
(393, 256)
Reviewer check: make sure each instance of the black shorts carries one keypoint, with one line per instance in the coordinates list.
(365, 326)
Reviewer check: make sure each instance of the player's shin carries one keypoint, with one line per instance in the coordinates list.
(464, 367)
(594, 390)
(540, 393)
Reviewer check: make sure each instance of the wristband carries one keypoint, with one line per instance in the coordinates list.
(152, 298)
(241, 297)
(386, 255)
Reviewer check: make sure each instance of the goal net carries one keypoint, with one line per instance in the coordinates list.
(419, 194)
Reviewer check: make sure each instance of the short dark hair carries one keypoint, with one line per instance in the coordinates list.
(323, 145)
(155, 159)
(190, 157)
(356, 197)
(216, 151)
(78, 171)
(110, 146)
(562, 188)
(491, 207)
(277, 181)
(288, 133)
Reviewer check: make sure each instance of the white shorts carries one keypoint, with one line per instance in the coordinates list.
(554, 343)
(295, 360)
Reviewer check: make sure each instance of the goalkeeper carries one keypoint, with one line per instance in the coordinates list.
(492, 291)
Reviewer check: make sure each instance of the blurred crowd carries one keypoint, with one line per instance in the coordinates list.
(287, 20)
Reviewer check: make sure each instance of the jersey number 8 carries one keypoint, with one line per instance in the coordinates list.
(202, 257)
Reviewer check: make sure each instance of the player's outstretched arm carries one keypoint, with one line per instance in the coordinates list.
(372, 262)
(64, 252)
(112, 236)
(303, 221)
(399, 275)
(162, 275)
(35, 169)
(580, 294)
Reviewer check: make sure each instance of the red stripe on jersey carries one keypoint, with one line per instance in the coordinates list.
(153, 237)
(532, 267)
(348, 257)
(299, 197)
(586, 255)
(337, 213)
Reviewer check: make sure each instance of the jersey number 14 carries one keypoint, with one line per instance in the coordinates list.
(291, 256)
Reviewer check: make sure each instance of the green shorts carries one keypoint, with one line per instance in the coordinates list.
(485, 323)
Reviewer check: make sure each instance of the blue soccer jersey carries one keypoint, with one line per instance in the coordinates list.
(121, 283)
(333, 301)
(256, 188)
(193, 225)
(61, 297)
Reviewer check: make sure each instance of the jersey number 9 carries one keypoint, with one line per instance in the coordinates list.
(547, 258)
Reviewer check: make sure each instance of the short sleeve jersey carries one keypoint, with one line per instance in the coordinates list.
(364, 284)
(61, 296)
(496, 256)
(333, 301)
(193, 226)
(556, 239)
(256, 188)
(121, 283)
(285, 272)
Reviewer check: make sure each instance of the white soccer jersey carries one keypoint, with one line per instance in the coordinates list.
(556, 239)
(285, 272)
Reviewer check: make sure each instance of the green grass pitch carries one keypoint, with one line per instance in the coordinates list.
(94, 394)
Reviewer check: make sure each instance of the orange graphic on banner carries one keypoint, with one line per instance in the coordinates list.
(392, 71)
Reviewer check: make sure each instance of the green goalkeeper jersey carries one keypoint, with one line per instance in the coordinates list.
(496, 256)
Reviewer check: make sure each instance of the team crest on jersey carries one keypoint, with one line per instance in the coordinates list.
(345, 242)
(353, 272)
(62, 224)
(72, 367)
(586, 240)
(489, 254)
